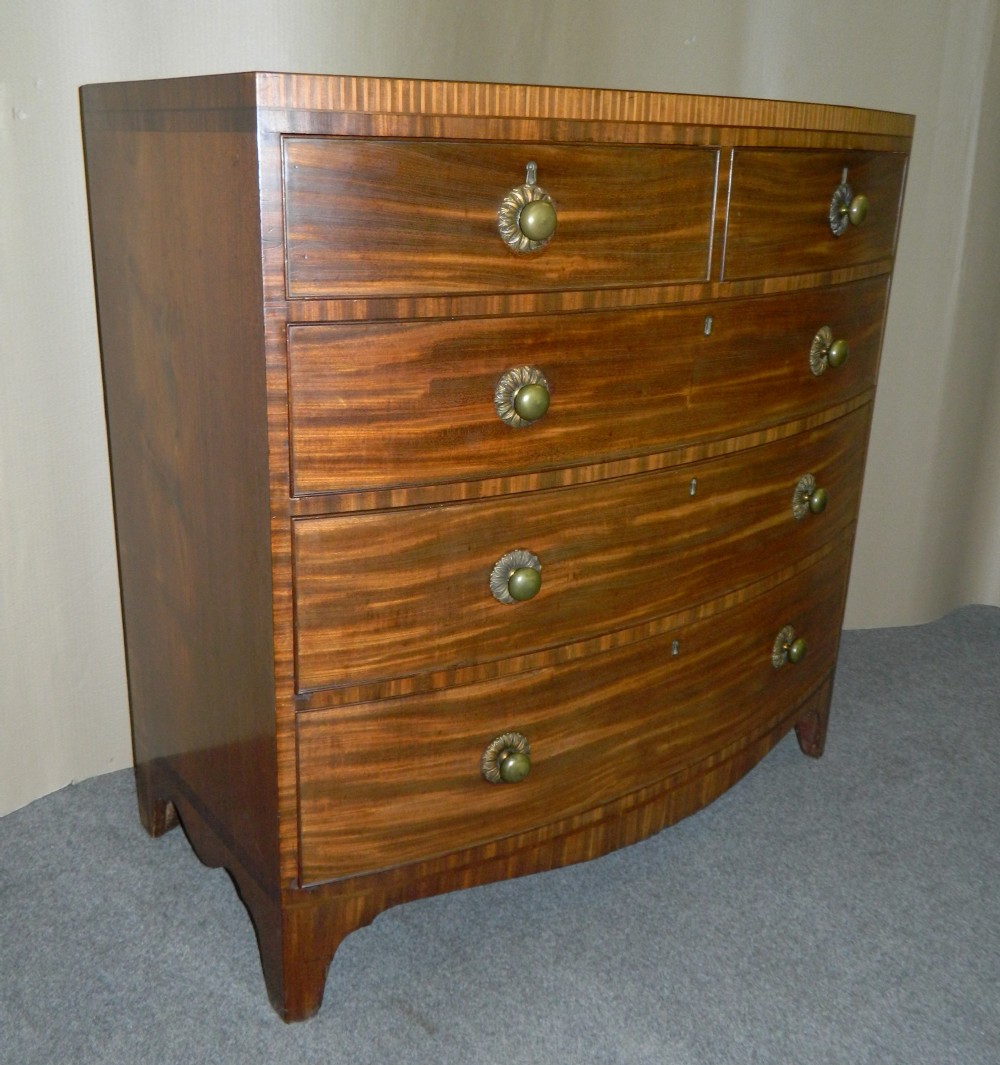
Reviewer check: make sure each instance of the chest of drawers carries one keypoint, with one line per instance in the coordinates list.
(486, 462)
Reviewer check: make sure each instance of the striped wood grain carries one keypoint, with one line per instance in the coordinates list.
(393, 593)
(407, 403)
(386, 784)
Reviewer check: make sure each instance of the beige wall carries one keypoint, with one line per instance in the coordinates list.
(930, 529)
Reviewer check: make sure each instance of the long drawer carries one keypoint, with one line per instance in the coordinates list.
(387, 783)
(779, 207)
(382, 404)
(411, 217)
(395, 593)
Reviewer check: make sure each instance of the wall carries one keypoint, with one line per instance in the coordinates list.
(928, 538)
(972, 544)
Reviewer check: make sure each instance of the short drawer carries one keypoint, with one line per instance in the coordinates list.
(396, 593)
(376, 405)
(398, 781)
(380, 217)
(779, 208)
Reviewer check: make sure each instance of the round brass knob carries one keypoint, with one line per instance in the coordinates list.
(537, 220)
(531, 401)
(825, 351)
(857, 210)
(514, 767)
(846, 209)
(808, 498)
(516, 577)
(521, 396)
(787, 648)
(527, 216)
(836, 354)
(524, 583)
(817, 501)
(507, 759)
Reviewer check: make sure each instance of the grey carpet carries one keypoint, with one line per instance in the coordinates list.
(839, 911)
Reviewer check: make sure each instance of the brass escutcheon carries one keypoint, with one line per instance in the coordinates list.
(527, 217)
(516, 577)
(511, 392)
(507, 759)
(787, 648)
(846, 209)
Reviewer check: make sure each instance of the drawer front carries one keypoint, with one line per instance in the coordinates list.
(395, 593)
(403, 403)
(393, 782)
(779, 208)
(410, 217)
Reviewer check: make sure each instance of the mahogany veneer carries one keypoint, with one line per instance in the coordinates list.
(307, 314)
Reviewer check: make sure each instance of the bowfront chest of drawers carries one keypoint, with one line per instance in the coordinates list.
(486, 463)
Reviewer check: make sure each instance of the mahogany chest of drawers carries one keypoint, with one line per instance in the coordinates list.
(486, 462)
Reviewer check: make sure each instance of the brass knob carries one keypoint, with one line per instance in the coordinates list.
(527, 216)
(787, 648)
(837, 352)
(825, 351)
(817, 501)
(846, 209)
(537, 220)
(524, 583)
(521, 396)
(516, 577)
(507, 759)
(531, 401)
(857, 210)
(808, 498)
(514, 767)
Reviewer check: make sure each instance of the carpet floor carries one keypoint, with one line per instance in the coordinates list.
(844, 911)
